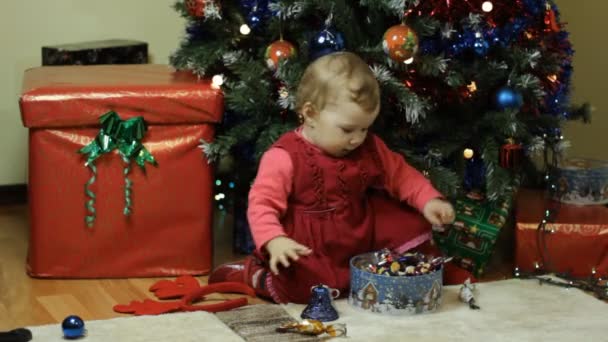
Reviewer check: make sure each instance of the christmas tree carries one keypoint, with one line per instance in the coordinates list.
(471, 89)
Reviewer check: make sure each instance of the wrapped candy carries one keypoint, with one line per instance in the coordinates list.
(466, 294)
(406, 264)
(313, 327)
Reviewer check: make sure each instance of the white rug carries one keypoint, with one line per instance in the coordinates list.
(176, 327)
(511, 310)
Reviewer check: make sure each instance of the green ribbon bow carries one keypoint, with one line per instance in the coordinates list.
(125, 136)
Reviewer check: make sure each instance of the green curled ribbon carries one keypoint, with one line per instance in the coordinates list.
(125, 136)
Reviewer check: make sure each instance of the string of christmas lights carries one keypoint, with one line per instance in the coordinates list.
(543, 269)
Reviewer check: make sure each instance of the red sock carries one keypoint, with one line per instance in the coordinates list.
(256, 275)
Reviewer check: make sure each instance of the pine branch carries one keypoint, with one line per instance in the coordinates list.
(433, 65)
(529, 83)
(224, 142)
(270, 135)
(289, 73)
(253, 101)
(248, 89)
(288, 10)
(498, 180)
(425, 26)
(433, 113)
(504, 124)
(446, 181)
(180, 7)
(582, 113)
(373, 53)
(409, 104)
(198, 57)
(391, 7)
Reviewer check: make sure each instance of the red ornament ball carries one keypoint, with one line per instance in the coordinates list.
(276, 51)
(197, 8)
(400, 42)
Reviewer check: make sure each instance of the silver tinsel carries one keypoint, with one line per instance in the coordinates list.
(502, 65)
(415, 109)
(382, 73)
(286, 99)
(563, 145)
(210, 151)
(529, 81)
(283, 11)
(447, 30)
(414, 112)
(232, 57)
(442, 63)
(473, 21)
(192, 65)
(212, 10)
(536, 146)
(397, 7)
(533, 58)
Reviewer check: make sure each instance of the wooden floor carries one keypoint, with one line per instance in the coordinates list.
(26, 301)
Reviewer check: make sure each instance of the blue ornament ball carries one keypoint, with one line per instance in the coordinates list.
(496, 37)
(251, 5)
(73, 327)
(248, 4)
(467, 39)
(508, 98)
(325, 42)
(456, 45)
(481, 46)
(254, 19)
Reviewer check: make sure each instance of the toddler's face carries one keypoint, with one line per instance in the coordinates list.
(340, 127)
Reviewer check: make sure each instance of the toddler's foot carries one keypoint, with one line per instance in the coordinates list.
(249, 271)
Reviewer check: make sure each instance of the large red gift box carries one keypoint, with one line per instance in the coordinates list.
(169, 230)
(578, 244)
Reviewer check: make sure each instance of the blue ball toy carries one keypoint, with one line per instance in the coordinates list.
(73, 327)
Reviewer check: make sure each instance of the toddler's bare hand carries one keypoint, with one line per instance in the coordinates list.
(282, 249)
(438, 212)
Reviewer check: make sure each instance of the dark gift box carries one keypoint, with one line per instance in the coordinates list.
(574, 242)
(113, 51)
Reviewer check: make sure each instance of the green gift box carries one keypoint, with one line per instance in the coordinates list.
(470, 240)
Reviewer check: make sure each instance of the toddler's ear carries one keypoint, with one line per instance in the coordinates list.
(309, 113)
(309, 110)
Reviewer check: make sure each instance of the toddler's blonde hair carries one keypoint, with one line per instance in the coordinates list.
(324, 78)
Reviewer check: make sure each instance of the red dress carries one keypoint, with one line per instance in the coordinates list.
(333, 209)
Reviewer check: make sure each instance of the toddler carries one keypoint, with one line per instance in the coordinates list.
(320, 194)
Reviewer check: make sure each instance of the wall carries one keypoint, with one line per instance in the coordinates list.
(26, 26)
(584, 20)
